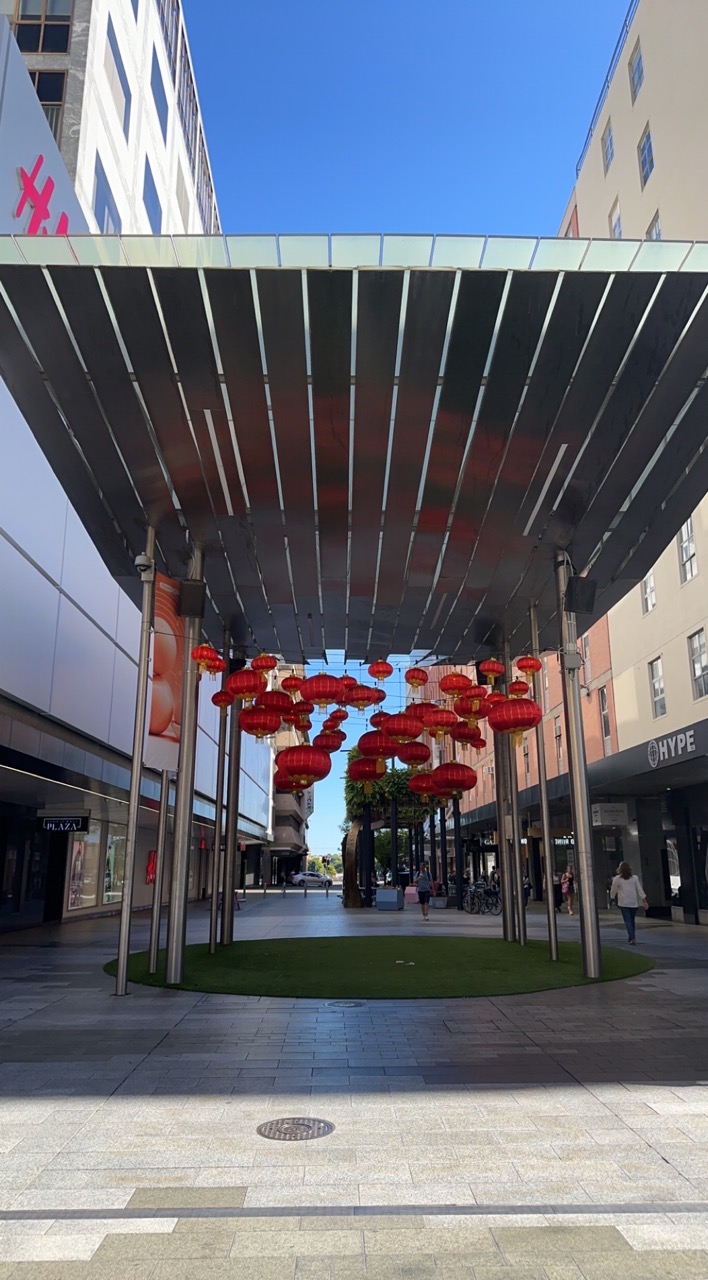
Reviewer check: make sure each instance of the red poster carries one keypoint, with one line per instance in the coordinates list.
(162, 747)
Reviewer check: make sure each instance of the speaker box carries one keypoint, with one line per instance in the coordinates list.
(192, 599)
(580, 595)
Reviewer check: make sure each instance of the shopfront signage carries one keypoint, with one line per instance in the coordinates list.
(609, 815)
(36, 192)
(65, 824)
(666, 750)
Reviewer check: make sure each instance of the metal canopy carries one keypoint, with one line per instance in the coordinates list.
(379, 441)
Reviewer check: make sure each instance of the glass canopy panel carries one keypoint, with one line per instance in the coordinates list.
(201, 251)
(304, 251)
(463, 252)
(697, 259)
(559, 255)
(356, 251)
(150, 251)
(505, 253)
(9, 252)
(98, 251)
(407, 251)
(661, 255)
(610, 255)
(253, 251)
(46, 251)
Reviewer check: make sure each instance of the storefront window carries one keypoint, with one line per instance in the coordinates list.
(115, 865)
(84, 868)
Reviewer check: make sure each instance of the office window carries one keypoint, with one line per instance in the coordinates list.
(656, 685)
(50, 87)
(187, 105)
(688, 564)
(608, 146)
(654, 228)
(104, 206)
(182, 196)
(545, 685)
(151, 200)
(699, 663)
(636, 71)
(585, 653)
(558, 736)
(43, 26)
(168, 11)
(159, 95)
(117, 78)
(605, 721)
(205, 189)
(648, 593)
(527, 766)
(615, 221)
(646, 156)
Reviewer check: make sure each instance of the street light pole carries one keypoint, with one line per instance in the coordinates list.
(543, 794)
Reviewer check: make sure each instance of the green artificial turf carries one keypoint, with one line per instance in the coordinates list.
(397, 968)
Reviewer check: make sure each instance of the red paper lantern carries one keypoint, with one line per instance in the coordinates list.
(274, 700)
(204, 655)
(246, 684)
(365, 771)
(379, 718)
(455, 684)
(377, 746)
(304, 726)
(259, 721)
(464, 733)
(346, 683)
(378, 696)
(222, 699)
(339, 715)
(304, 765)
(528, 664)
(321, 689)
(440, 723)
(421, 784)
(492, 668)
(492, 700)
(424, 710)
(416, 677)
(380, 670)
(264, 662)
(293, 717)
(454, 778)
(292, 684)
(413, 754)
(514, 716)
(361, 696)
(328, 741)
(216, 666)
(284, 783)
(518, 689)
(403, 727)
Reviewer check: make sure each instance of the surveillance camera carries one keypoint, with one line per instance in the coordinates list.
(145, 566)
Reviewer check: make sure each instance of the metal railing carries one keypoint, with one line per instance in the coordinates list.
(624, 33)
(52, 111)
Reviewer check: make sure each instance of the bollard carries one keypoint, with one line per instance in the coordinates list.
(265, 890)
(305, 888)
(326, 891)
(283, 889)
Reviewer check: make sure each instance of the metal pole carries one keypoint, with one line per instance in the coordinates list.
(366, 834)
(577, 771)
(231, 841)
(421, 846)
(184, 797)
(411, 853)
(543, 795)
(136, 768)
(394, 842)
(154, 948)
(459, 867)
(504, 868)
(433, 851)
(217, 859)
(443, 845)
(515, 824)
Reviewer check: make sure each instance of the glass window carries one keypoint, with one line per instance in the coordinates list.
(115, 864)
(648, 593)
(636, 71)
(688, 564)
(585, 651)
(187, 105)
(159, 95)
(104, 206)
(151, 200)
(527, 766)
(608, 146)
(656, 684)
(605, 721)
(182, 196)
(117, 78)
(615, 221)
(205, 189)
(135, 4)
(50, 91)
(43, 26)
(169, 21)
(654, 228)
(646, 156)
(699, 663)
(545, 685)
(83, 870)
(558, 735)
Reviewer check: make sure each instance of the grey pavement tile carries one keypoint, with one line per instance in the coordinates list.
(683, 1265)
(162, 1248)
(218, 1269)
(188, 1198)
(301, 1244)
(79, 1271)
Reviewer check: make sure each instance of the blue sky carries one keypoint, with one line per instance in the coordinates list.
(396, 115)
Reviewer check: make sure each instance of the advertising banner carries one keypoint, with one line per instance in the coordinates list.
(164, 722)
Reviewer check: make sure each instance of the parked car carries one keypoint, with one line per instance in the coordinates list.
(310, 879)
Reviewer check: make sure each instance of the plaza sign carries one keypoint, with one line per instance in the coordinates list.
(666, 750)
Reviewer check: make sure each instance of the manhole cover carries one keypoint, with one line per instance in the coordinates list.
(296, 1129)
(345, 1004)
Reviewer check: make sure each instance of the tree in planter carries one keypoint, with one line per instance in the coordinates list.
(382, 849)
(393, 784)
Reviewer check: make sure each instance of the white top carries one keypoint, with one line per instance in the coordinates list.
(629, 893)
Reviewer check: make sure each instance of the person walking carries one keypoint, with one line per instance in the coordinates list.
(424, 886)
(629, 892)
(527, 889)
(568, 888)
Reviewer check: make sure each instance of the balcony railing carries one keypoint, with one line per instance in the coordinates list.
(52, 111)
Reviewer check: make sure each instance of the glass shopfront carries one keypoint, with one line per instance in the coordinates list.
(84, 869)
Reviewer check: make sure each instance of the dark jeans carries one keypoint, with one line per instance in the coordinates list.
(629, 915)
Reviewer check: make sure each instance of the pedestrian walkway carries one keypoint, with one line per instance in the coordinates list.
(554, 1136)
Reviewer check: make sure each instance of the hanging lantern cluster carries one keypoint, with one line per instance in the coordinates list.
(206, 656)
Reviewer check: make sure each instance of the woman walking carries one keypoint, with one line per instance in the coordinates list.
(424, 886)
(628, 891)
(568, 888)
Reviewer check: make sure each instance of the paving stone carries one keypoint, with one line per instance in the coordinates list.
(188, 1198)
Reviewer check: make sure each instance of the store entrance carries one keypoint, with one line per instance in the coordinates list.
(32, 872)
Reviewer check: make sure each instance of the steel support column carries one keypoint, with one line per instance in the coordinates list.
(549, 868)
(515, 823)
(154, 948)
(503, 821)
(367, 838)
(394, 842)
(459, 865)
(443, 845)
(218, 858)
(577, 772)
(433, 851)
(411, 853)
(184, 796)
(231, 836)
(136, 768)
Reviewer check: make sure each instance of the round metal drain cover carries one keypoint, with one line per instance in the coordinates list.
(345, 1004)
(295, 1129)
